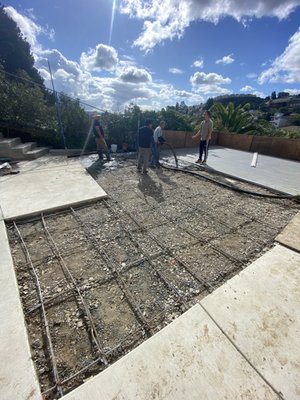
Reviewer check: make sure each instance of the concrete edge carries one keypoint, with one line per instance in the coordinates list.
(57, 208)
(18, 377)
(179, 361)
(290, 235)
(226, 303)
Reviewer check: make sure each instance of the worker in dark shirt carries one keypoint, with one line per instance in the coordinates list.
(145, 138)
(100, 139)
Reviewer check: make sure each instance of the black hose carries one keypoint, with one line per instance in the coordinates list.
(227, 185)
(174, 154)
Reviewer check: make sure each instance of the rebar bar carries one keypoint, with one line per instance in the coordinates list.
(159, 274)
(207, 285)
(65, 268)
(134, 306)
(50, 345)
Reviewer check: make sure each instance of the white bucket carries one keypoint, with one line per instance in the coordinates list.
(114, 147)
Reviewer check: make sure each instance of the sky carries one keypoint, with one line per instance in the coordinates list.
(154, 53)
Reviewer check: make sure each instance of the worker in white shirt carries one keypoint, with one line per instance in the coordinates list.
(158, 140)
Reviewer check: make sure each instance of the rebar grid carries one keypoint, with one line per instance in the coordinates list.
(97, 282)
(206, 212)
(138, 334)
(168, 251)
(159, 274)
(53, 361)
(67, 272)
(103, 254)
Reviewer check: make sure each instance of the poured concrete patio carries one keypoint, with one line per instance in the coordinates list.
(46, 184)
(275, 173)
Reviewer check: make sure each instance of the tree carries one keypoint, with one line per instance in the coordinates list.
(15, 53)
(23, 104)
(75, 121)
(273, 95)
(209, 103)
(175, 120)
(240, 120)
(240, 99)
(233, 119)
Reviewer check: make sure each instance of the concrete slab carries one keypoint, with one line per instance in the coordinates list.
(290, 236)
(18, 380)
(259, 309)
(275, 173)
(189, 359)
(47, 184)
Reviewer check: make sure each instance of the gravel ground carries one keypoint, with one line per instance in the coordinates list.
(113, 273)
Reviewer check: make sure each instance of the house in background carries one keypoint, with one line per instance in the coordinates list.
(279, 120)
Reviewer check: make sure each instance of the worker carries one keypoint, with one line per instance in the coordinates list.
(100, 138)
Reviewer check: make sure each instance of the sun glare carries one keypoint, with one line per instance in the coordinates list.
(112, 20)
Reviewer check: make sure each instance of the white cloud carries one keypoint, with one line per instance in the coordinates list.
(198, 64)
(259, 94)
(201, 78)
(168, 92)
(251, 75)
(134, 75)
(126, 82)
(292, 91)
(29, 29)
(57, 62)
(103, 57)
(247, 88)
(225, 60)
(176, 71)
(250, 90)
(168, 19)
(209, 83)
(286, 67)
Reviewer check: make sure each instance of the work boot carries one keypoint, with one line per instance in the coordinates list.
(107, 156)
(100, 154)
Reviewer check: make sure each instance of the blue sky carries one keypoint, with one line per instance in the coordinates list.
(154, 53)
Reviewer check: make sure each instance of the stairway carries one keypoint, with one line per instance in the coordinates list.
(15, 149)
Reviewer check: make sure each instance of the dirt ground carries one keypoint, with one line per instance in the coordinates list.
(97, 281)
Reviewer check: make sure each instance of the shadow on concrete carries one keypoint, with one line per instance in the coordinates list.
(150, 188)
(164, 177)
(96, 168)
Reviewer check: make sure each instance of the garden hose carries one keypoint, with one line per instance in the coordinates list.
(224, 184)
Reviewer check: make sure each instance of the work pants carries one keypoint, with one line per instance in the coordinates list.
(102, 148)
(203, 149)
(143, 158)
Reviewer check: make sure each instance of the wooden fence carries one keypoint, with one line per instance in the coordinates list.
(271, 146)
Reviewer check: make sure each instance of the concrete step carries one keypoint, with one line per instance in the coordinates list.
(9, 143)
(36, 153)
(21, 149)
(15, 149)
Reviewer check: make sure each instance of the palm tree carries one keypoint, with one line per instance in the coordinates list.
(233, 119)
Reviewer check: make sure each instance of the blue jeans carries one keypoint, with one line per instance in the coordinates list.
(155, 149)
